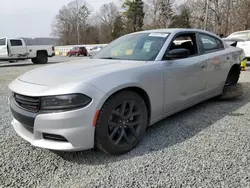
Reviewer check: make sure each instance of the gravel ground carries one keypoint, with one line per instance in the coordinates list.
(204, 146)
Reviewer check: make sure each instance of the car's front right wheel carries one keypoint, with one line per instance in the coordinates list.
(121, 123)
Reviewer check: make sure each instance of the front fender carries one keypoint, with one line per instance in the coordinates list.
(149, 81)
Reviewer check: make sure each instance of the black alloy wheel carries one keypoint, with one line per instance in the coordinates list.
(124, 123)
(121, 123)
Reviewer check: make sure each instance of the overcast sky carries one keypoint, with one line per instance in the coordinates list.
(32, 18)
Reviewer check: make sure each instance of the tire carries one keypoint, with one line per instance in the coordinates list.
(34, 60)
(41, 59)
(233, 76)
(120, 126)
(232, 92)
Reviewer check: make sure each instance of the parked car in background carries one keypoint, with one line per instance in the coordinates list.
(77, 51)
(95, 50)
(242, 39)
(135, 81)
(15, 49)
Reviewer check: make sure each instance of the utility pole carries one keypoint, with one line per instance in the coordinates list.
(206, 15)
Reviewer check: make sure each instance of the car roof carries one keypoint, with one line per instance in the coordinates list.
(177, 30)
(244, 31)
(11, 38)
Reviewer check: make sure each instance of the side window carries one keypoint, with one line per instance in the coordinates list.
(2, 42)
(210, 44)
(16, 43)
(186, 41)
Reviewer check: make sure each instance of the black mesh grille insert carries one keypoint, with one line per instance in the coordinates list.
(31, 104)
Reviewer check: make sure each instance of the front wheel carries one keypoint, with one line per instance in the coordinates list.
(121, 123)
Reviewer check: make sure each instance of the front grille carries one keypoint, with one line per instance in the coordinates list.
(31, 104)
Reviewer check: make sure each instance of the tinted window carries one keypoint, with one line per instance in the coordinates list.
(210, 43)
(16, 43)
(2, 42)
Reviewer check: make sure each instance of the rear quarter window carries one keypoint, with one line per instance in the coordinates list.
(210, 44)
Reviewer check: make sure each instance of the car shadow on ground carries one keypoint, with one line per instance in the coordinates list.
(170, 131)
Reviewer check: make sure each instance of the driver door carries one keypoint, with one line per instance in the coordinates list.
(184, 78)
(3, 48)
(17, 48)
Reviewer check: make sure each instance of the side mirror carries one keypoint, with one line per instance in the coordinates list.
(177, 54)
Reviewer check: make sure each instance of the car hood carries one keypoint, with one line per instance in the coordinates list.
(80, 70)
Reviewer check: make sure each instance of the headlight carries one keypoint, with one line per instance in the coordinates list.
(61, 102)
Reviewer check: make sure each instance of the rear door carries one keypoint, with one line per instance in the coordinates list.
(217, 65)
(3, 48)
(17, 48)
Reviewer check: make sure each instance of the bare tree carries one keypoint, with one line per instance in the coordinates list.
(69, 24)
(74, 21)
(108, 14)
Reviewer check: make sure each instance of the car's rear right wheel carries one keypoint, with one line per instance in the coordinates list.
(121, 123)
(40, 59)
(232, 89)
(34, 60)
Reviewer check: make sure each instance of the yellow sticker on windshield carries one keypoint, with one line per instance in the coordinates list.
(129, 52)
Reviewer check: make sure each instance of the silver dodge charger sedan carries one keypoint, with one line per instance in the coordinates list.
(109, 100)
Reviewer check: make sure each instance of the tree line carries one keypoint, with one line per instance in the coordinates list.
(77, 23)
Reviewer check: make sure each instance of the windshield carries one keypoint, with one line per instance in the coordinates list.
(240, 35)
(138, 47)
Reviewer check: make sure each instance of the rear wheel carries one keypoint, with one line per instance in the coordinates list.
(232, 91)
(232, 88)
(121, 123)
(233, 76)
(34, 60)
(40, 59)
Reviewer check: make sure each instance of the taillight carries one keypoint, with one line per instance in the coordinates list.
(53, 48)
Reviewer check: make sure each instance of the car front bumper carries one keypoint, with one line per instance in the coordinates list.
(64, 131)
(71, 130)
